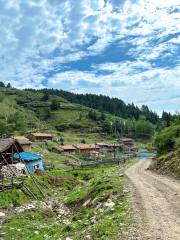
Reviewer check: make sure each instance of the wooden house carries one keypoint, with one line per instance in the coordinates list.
(87, 148)
(40, 137)
(127, 142)
(24, 142)
(104, 147)
(112, 147)
(8, 147)
(69, 149)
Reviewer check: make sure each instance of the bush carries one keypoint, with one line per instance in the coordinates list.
(83, 141)
(177, 143)
(168, 139)
(55, 105)
(144, 129)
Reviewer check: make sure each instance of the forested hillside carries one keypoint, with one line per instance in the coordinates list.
(23, 111)
(114, 106)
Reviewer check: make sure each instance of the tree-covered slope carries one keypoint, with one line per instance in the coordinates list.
(23, 111)
(113, 106)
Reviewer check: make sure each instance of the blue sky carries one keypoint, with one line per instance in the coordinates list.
(124, 48)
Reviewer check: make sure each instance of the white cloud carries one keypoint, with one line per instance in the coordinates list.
(38, 37)
(144, 87)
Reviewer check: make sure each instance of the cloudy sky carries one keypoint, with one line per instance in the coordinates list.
(124, 48)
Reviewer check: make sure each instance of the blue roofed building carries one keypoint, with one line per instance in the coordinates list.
(32, 161)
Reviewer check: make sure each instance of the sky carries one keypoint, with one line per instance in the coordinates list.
(128, 49)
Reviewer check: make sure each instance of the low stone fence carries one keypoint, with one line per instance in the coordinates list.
(93, 163)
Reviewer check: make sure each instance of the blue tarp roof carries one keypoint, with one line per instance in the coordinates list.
(26, 156)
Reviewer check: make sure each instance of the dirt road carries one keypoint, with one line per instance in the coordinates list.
(156, 201)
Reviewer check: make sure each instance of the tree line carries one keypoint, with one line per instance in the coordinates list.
(2, 85)
(107, 104)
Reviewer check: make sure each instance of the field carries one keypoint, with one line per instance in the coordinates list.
(79, 204)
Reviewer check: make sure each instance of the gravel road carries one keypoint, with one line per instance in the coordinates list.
(156, 200)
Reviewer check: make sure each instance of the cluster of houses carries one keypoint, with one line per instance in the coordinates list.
(125, 144)
(89, 148)
(18, 150)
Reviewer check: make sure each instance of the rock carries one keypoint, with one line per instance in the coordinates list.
(25, 208)
(93, 220)
(66, 222)
(125, 191)
(68, 238)
(101, 210)
(110, 204)
(88, 237)
(86, 203)
(2, 214)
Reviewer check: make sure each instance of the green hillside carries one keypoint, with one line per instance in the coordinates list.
(168, 146)
(24, 111)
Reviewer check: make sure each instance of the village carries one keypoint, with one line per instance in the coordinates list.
(70, 186)
(18, 155)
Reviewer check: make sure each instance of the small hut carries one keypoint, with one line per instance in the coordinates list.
(8, 147)
(24, 142)
(127, 142)
(70, 149)
(104, 147)
(32, 161)
(87, 148)
(40, 137)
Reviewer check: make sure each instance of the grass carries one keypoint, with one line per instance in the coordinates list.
(77, 137)
(51, 180)
(85, 193)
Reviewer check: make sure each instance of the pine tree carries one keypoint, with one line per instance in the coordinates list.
(55, 105)
(2, 84)
(9, 85)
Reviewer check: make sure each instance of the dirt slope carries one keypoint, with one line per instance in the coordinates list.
(156, 200)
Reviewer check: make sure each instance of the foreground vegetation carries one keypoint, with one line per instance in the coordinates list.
(80, 204)
(168, 147)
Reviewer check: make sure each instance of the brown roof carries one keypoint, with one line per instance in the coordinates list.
(126, 139)
(38, 134)
(22, 140)
(68, 147)
(6, 143)
(103, 144)
(87, 146)
(114, 145)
